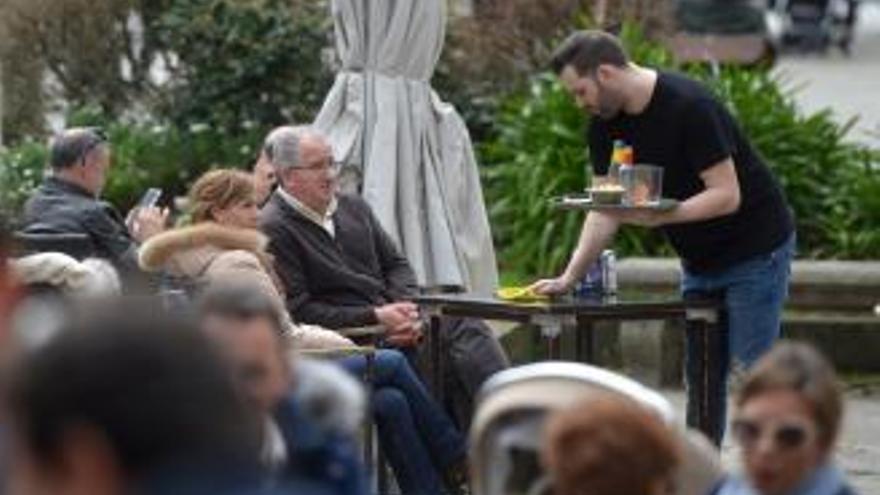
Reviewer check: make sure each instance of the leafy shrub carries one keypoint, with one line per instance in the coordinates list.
(538, 151)
(21, 170)
(255, 61)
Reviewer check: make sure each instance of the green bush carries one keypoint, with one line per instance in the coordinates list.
(538, 151)
(257, 61)
(21, 170)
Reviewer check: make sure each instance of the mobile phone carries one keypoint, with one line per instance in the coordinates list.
(150, 198)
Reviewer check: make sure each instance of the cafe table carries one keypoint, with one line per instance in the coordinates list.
(702, 317)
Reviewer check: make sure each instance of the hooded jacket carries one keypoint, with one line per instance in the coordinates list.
(208, 253)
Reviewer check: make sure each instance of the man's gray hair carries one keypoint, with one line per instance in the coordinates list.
(70, 146)
(282, 145)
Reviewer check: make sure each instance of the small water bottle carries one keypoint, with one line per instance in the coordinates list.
(591, 284)
(609, 272)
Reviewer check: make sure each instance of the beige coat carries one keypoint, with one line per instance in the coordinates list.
(210, 253)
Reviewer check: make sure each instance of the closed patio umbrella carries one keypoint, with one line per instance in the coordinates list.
(413, 152)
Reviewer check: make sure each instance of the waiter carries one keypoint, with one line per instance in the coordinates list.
(732, 228)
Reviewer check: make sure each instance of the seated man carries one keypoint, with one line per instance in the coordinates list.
(68, 201)
(341, 269)
(312, 439)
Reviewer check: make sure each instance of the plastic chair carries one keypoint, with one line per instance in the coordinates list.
(514, 404)
(77, 246)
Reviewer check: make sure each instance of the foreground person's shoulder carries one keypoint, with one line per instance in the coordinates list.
(846, 490)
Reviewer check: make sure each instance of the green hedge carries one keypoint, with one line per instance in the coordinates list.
(538, 151)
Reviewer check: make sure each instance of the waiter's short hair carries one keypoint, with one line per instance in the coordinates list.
(585, 51)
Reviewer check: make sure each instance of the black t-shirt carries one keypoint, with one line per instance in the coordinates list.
(685, 130)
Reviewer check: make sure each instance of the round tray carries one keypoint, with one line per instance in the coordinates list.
(584, 202)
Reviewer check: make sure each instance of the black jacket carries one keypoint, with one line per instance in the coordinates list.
(61, 207)
(336, 281)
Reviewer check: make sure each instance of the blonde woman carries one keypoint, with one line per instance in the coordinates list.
(222, 244)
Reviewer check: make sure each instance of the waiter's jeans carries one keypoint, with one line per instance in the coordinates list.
(754, 292)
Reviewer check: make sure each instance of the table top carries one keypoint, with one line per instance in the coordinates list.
(625, 304)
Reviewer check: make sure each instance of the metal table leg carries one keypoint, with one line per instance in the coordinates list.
(703, 405)
(584, 341)
(550, 326)
(436, 350)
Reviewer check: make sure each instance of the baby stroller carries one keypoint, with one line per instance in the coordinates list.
(513, 405)
(816, 25)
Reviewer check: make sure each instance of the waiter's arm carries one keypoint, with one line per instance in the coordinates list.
(598, 231)
(721, 196)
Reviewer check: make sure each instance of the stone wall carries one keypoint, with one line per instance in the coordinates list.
(832, 304)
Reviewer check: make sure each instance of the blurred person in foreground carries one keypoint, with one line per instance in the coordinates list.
(68, 201)
(9, 290)
(9, 297)
(786, 422)
(127, 401)
(610, 446)
(420, 442)
(340, 268)
(247, 327)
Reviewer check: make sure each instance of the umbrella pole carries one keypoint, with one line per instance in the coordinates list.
(365, 127)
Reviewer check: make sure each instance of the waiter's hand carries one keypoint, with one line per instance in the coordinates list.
(552, 286)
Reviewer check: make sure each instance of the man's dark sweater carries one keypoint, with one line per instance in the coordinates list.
(336, 281)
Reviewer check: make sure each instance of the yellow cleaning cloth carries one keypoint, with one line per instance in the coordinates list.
(519, 294)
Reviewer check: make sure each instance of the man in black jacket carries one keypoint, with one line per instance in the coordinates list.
(340, 268)
(68, 201)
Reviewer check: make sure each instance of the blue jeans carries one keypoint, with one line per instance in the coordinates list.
(754, 292)
(416, 435)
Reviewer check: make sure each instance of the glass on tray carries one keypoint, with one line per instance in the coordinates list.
(642, 184)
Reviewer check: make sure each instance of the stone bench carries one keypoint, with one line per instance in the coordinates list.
(832, 304)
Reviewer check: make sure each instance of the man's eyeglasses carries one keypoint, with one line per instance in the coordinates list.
(786, 435)
(325, 166)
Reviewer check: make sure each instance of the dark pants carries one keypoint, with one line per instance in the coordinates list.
(471, 354)
(415, 434)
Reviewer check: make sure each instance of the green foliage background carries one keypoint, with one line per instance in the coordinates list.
(240, 67)
(246, 61)
(243, 66)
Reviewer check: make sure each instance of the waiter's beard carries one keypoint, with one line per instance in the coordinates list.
(609, 103)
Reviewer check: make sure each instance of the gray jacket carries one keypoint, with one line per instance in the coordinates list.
(61, 207)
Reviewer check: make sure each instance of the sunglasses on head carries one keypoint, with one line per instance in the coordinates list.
(95, 136)
(785, 435)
